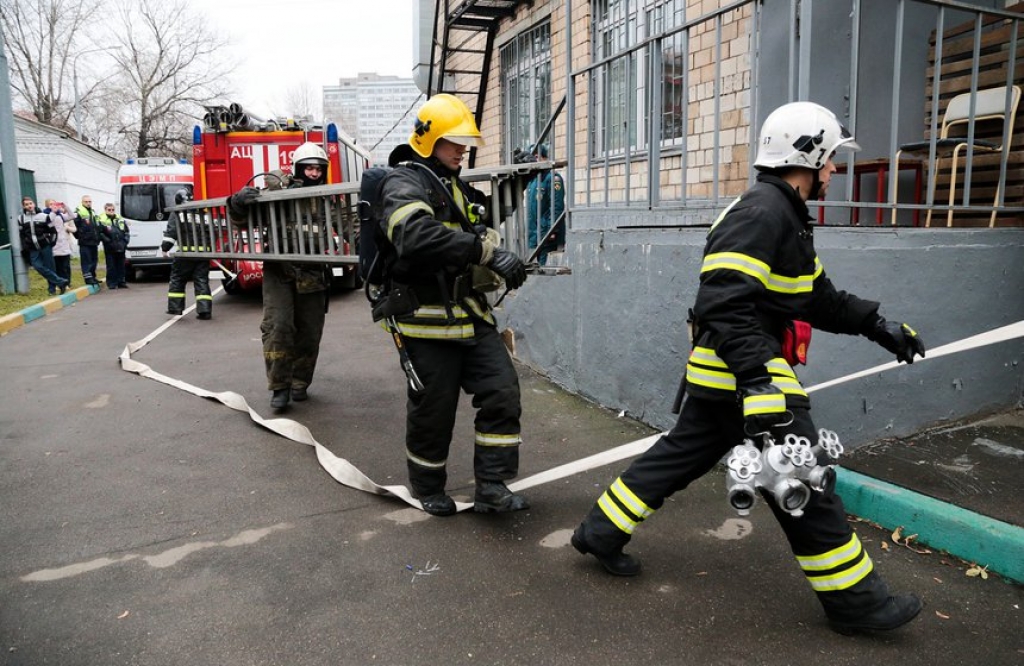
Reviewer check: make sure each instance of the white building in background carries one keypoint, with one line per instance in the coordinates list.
(65, 168)
(374, 108)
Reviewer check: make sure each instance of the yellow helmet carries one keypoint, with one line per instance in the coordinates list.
(444, 116)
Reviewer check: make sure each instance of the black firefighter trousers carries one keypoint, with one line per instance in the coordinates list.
(483, 368)
(292, 326)
(183, 270)
(829, 552)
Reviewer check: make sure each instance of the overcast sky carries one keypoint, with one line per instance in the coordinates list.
(281, 43)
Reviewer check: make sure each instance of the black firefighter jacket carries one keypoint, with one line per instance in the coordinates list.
(760, 272)
(436, 248)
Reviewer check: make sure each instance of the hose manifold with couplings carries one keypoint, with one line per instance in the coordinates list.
(789, 471)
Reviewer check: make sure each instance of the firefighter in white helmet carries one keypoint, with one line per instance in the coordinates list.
(762, 288)
(294, 294)
(443, 257)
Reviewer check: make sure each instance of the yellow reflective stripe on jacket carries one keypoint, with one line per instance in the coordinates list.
(737, 262)
(493, 439)
(757, 269)
(699, 371)
(438, 312)
(436, 332)
(461, 202)
(707, 356)
(764, 404)
(802, 284)
(724, 381)
(789, 385)
(721, 216)
(778, 366)
(403, 212)
(475, 307)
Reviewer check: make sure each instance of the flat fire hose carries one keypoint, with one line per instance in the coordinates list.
(347, 474)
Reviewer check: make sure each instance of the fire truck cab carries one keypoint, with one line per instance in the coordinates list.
(233, 149)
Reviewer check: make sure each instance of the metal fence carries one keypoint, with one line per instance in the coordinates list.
(670, 105)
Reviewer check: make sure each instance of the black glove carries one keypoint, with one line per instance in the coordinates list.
(239, 202)
(509, 266)
(899, 339)
(764, 407)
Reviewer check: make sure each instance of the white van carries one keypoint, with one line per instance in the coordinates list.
(145, 189)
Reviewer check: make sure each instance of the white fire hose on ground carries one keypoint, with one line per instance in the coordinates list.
(347, 474)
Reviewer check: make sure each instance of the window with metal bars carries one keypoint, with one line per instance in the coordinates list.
(623, 94)
(526, 88)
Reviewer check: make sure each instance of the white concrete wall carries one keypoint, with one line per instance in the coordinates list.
(65, 168)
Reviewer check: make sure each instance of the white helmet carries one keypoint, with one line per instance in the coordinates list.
(801, 134)
(309, 153)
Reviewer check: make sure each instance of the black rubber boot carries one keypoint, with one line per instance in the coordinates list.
(280, 398)
(495, 497)
(895, 613)
(616, 563)
(173, 312)
(438, 505)
(299, 394)
(204, 315)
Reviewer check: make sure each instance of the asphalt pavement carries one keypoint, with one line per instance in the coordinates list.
(147, 526)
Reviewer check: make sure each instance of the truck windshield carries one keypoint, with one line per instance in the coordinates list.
(146, 202)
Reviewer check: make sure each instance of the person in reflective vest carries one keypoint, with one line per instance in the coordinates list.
(115, 234)
(761, 273)
(445, 260)
(184, 268)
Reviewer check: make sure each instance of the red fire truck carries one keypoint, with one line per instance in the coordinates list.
(233, 149)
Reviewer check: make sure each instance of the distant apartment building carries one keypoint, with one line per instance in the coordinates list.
(370, 107)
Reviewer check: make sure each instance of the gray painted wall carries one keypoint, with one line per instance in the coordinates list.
(613, 331)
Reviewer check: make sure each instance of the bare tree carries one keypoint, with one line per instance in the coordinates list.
(169, 68)
(44, 38)
(302, 101)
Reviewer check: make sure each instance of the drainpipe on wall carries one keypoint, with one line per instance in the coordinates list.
(424, 18)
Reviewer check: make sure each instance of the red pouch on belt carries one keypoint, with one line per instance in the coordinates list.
(796, 338)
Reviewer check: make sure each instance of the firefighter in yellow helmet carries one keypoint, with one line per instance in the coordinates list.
(762, 288)
(441, 259)
(294, 294)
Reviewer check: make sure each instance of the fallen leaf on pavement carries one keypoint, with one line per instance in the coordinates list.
(976, 571)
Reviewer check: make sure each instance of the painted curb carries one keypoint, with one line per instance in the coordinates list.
(17, 319)
(965, 534)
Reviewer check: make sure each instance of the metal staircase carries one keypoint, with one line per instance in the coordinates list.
(464, 60)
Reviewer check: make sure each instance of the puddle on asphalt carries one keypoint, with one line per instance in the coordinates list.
(160, 561)
(732, 529)
(556, 539)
